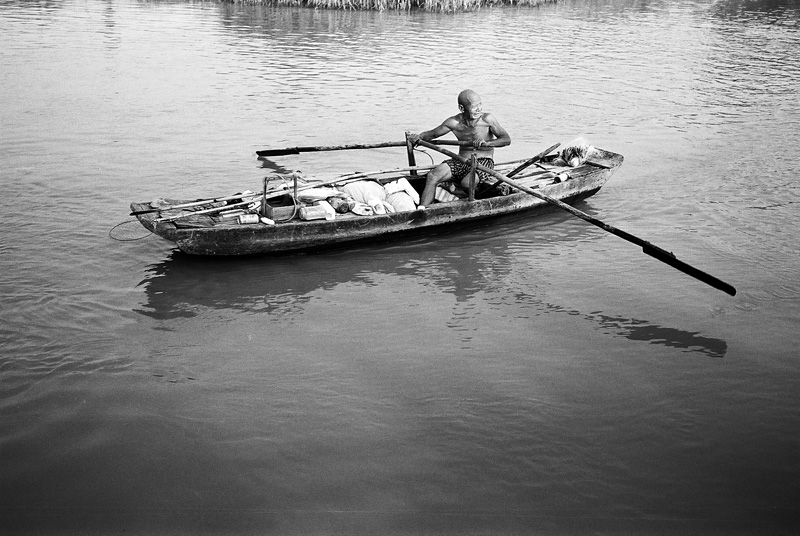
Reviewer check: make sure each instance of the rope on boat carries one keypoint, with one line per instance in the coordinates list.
(294, 197)
(126, 238)
(426, 153)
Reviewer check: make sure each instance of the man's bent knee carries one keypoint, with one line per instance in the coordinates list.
(439, 173)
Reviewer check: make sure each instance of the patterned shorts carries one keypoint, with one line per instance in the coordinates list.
(460, 169)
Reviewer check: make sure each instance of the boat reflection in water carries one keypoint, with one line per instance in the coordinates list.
(475, 263)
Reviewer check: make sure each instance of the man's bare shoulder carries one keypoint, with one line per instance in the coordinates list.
(488, 117)
(452, 122)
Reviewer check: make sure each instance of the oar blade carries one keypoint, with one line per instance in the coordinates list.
(279, 152)
(140, 212)
(671, 260)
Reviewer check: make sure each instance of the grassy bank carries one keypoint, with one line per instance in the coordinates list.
(380, 5)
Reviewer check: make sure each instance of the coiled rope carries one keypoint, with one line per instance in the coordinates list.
(121, 237)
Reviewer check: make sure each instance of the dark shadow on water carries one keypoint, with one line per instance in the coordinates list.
(641, 330)
(463, 263)
(638, 330)
(273, 166)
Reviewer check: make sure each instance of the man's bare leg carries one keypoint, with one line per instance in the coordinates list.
(438, 174)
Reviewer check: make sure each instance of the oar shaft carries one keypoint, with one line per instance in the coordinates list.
(648, 248)
(363, 174)
(208, 210)
(270, 194)
(533, 160)
(197, 203)
(277, 192)
(201, 202)
(311, 149)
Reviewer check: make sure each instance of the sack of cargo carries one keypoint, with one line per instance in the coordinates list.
(402, 185)
(401, 201)
(363, 191)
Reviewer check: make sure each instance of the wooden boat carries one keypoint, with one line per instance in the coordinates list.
(201, 230)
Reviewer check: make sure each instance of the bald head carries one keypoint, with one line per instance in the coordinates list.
(467, 97)
(470, 105)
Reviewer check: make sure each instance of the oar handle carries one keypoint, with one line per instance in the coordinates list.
(648, 248)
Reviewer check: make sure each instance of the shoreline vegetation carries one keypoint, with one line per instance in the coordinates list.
(447, 6)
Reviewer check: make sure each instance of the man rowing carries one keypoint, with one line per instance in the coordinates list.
(474, 126)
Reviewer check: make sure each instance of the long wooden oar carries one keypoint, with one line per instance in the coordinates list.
(278, 192)
(315, 183)
(191, 204)
(364, 174)
(650, 249)
(522, 167)
(214, 209)
(533, 160)
(298, 150)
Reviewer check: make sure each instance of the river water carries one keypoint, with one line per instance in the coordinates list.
(535, 376)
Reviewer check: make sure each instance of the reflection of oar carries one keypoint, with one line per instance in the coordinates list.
(648, 248)
(298, 150)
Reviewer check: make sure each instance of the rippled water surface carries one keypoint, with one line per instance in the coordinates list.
(529, 376)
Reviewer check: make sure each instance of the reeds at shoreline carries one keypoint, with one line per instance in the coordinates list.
(447, 6)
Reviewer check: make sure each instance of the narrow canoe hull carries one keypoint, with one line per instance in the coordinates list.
(298, 235)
